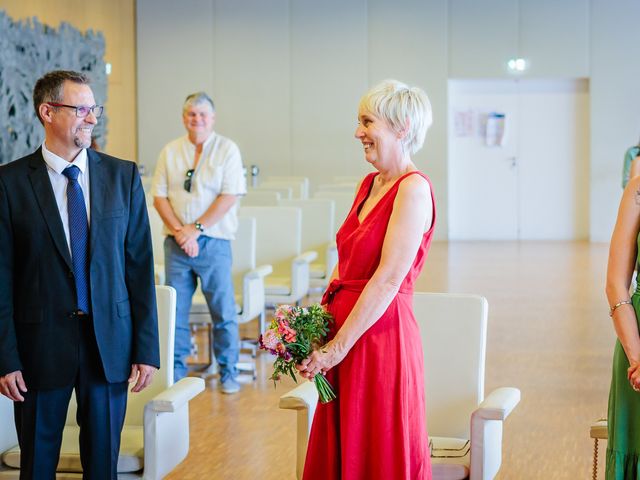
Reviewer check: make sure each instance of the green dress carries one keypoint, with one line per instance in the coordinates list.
(623, 447)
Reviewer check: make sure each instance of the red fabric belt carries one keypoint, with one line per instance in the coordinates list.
(351, 286)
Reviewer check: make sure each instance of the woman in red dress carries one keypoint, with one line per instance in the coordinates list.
(376, 428)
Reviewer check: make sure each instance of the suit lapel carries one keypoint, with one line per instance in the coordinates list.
(97, 195)
(46, 200)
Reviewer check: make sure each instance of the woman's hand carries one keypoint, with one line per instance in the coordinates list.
(321, 361)
(633, 374)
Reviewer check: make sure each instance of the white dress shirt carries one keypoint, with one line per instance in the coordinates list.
(219, 171)
(55, 166)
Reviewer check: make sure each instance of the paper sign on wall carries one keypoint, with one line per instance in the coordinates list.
(495, 129)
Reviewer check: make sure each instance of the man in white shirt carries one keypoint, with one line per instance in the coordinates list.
(196, 185)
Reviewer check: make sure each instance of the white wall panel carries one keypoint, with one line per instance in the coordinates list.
(328, 76)
(251, 80)
(554, 36)
(174, 58)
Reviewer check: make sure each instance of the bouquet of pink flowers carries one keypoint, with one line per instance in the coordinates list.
(291, 336)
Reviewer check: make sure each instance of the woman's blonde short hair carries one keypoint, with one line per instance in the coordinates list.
(406, 109)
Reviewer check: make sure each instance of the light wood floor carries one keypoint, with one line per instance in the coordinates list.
(549, 335)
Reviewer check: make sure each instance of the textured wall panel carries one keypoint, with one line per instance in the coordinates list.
(28, 49)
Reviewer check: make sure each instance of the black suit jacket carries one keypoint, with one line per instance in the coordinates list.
(38, 333)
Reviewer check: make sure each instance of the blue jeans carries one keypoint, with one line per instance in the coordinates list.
(213, 267)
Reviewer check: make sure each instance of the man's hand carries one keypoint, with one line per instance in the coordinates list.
(11, 385)
(191, 248)
(143, 373)
(186, 233)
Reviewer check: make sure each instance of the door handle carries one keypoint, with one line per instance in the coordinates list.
(513, 161)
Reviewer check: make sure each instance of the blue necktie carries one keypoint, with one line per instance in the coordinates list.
(79, 237)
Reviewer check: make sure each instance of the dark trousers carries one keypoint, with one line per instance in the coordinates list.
(41, 417)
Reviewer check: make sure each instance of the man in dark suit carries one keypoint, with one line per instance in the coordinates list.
(77, 297)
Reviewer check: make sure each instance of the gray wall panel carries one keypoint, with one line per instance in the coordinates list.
(548, 26)
(251, 84)
(174, 58)
(328, 76)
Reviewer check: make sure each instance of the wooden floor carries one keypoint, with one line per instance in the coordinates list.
(549, 335)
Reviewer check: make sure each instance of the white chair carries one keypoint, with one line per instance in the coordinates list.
(345, 187)
(155, 438)
(465, 428)
(157, 241)
(353, 179)
(299, 187)
(302, 181)
(318, 234)
(260, 198)
(279, 241)
(249, 290)
(284, 191)
(343, 202)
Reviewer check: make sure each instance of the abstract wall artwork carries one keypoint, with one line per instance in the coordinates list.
(28, 49)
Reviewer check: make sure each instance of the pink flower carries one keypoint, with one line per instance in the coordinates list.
(270, 340)
(283, 312)
(281, 349)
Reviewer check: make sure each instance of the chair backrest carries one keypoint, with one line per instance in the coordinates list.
(354, 179)
(303, 181)
(454, 334)
(260, 198)
(299, 188)
(278, 236)
(284, 191)
(317, 223)
(157, 236)
(346, 187)
(243, 249)
(8, 435)
(343, 202)
(166, 304)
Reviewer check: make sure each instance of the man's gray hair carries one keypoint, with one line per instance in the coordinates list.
(406, 110)
(197, 99)
(49, 87)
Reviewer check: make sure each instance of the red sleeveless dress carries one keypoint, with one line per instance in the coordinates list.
(376, 428)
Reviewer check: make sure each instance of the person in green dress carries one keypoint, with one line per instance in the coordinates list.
(623, 448)
(631, 164)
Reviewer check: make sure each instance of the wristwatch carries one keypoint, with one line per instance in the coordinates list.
(199, 226)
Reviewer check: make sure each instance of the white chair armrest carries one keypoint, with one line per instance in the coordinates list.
(306, 257)
(486, 432)
(177, 395)
(303, 396)
(303, 399)
(260, 272)
(166, 427)
(499, 404)
(253, 293)
(159, 274)
(300, 274)
(332, 259)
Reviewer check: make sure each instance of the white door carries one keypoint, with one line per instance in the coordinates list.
(483, 183)
(534, 184)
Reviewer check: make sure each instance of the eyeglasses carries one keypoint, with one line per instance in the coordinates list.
(187, 181)
(82, 111)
